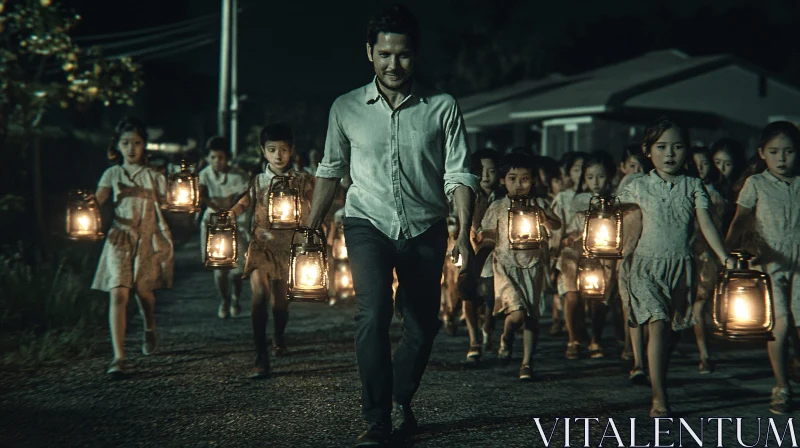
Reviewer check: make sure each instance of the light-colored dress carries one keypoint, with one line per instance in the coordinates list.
(663, 277)
(631, 231)
(138, 252)
(518, 274)
(708, 265)
(566, 262)
(224, 189)
(776, 206)
(270, 249)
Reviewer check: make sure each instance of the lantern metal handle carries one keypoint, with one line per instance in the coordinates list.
(310, 233)
(743, 258)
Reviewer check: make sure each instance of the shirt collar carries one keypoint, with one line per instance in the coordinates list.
(372, 94)
(656, 178)
(774, 178)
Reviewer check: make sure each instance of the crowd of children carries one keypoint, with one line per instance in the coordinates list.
(679, 204)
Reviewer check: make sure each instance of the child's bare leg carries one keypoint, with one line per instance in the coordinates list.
(258, 312)
(514, 320)
(222, 282)
(599, 310)
(280, 312)
(117, 321)
(236, 280)
(530, 339)
(657, 356)
(147, 307)
(777, 351)
(572, 315)
(471, 312)
(700, 331)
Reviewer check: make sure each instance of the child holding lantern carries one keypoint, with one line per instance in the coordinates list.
(268, 254)
(595, 180)
(662, 277)
(519, 274)
(138, 253)
(220, 187)
(772, 197)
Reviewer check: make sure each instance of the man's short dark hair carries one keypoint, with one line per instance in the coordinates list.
(397, 19)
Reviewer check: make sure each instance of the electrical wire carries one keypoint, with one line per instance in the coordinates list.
(186, 48)
(197, 20)
(157, 48)
(151, 37)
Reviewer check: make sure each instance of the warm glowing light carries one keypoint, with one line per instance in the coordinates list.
(525, 228)
(459, 262)
(184, 196)
(345, 280)
(602, 238)
(286, 208)
(740, 309)
(220, 249)
(309, 276)
(592, 282)
(83, 222)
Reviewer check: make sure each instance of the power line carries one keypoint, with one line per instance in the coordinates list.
(201, 43)
(157, 48)
(151, 37)
(200, 19)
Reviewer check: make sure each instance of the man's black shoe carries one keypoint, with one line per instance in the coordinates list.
(403, 421)
(376, 435)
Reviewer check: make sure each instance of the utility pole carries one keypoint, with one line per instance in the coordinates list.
(224, 70)
(234, 78)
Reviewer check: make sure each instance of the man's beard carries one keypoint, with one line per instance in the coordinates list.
(406, 82)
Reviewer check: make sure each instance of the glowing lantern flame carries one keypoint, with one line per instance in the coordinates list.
(309, 276)
(83, 221)
(602, 238)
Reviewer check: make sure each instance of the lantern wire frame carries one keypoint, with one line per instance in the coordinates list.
(222, 222)
(281, 186)
(318, 294)
(83, 201)
(519, 206)
(722, 305)
(189, 180)
(608, 207)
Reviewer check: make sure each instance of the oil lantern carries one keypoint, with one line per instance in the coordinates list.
(83, 217)
(284, 204)
(221, 244)
(308, 267)
(602, 232)
(525, 224)
(343, 280)
(183, 191)
(743, 302)
(339, 246)
(591, 279)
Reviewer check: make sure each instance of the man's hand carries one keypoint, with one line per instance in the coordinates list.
(463, 247)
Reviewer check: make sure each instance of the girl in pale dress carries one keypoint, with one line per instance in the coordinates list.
(221, 186)
(662, 276)
(267, 262)
(772, 199)
(519, 274)
(634, 164)
(707, 264)
(595, 180)
(138, 252)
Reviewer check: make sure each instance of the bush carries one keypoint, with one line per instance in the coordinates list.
(47, 309)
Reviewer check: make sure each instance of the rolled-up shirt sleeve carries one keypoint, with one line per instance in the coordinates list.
(336, 160)
(457, 153)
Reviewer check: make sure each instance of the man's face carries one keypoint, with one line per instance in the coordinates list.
(392, 59)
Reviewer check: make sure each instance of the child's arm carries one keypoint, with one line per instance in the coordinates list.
(245, 202)
(711, 234)
(738, 225)
(101, 195)
(551, 220)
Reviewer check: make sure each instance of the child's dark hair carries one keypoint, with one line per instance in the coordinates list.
(602, 158)
(477, 156)
(570, 158)
(550, 168)
(736, 151)
(657, 128)
(127, 124)
(217, 143)
(278, 132)
(516, 160)
(754, 165)
(634, 151)
(714, 176)
(777, 128)
(397, 19)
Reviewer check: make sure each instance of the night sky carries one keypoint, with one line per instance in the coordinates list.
(297, 50)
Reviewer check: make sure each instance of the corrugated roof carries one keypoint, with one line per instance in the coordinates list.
(484, 99)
